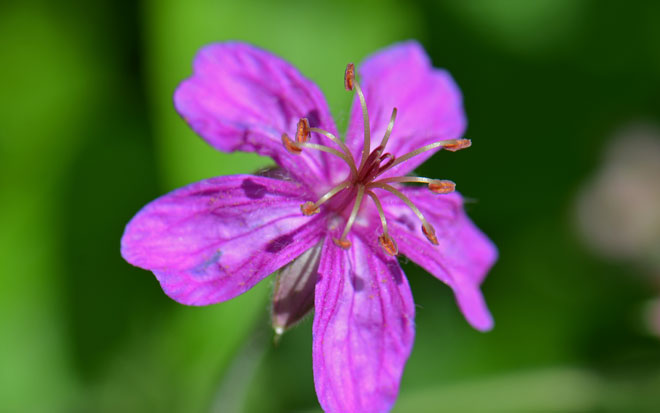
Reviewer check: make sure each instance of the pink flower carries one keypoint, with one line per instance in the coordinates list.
(340, 208)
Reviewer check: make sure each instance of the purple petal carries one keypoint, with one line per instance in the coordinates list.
(241, 98)
(363, 328)
(428, 101)
(464, 254)
(215, 239)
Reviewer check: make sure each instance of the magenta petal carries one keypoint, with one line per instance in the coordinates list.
(215, 239)
(363, 328)
(241, 98)
(429, 103)
(464, 256)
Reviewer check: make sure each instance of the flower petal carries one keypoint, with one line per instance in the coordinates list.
(464, 254)
(363, 328)
(428, 101)
(241, 98)
(293, 295)
(215, 239)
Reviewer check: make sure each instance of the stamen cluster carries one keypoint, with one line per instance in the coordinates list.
(363, 179)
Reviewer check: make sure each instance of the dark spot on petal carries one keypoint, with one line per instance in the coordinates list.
(358, 284)
(279, 243)
(206, 192)
(253, 190)
(313, 118)
(204, 266)
(395, 271)
(284, 109)
(403, 219)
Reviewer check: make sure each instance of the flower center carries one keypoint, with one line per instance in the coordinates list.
(364, 177)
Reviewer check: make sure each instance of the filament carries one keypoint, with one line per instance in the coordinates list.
(381, 213)
(311, 208)
(415, 179)
(327, 149)
(403, 158)
(366, 148)
(342, 145)
(383, 143)
(439, 186)
(356, 207)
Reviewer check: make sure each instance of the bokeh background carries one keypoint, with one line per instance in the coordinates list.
(563, 102)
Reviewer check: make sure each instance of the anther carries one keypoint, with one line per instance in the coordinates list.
(430, 234)
(342, 243)
(460, 144)
(309, 208)
(290, 145)
(388, 244)
(302, 131)
(349, 76)
(442, 186)
(385, 240)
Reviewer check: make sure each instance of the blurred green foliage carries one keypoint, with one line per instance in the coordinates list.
(88, 135)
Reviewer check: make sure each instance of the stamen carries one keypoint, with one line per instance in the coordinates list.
(427, 229)
(324, 148)
(343, 242)
(383, 143)
(442, 186)
(385, 240)
(302, 131)
(311, 208)
(454, 144)
(430, 234)
(351, 83)
(439, 186)
(372, 164)
(388, 245)
(342, 145)
(290, 145)
(349, 76)
(460, 144)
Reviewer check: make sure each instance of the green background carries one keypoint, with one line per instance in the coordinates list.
(88, 135)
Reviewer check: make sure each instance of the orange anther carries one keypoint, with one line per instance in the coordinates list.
(430, 234)
(349, 76)
(442, 186)
(342, 243)
(388, 245)
(290, 145)
(309, 208)
(460, 144)
(302, 132)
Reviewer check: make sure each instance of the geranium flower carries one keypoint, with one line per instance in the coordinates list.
(334, 215)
